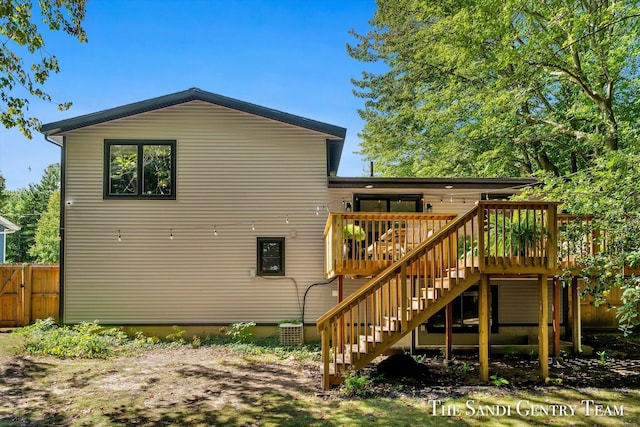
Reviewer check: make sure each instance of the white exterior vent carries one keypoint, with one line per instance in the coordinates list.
(291, 334)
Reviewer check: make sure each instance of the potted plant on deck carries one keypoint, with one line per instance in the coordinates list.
(352, 235)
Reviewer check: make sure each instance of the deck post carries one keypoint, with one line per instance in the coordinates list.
(324, 338)
(543, 325)
(483, 322)
(576, 327)
(556, 316)
(448, 336)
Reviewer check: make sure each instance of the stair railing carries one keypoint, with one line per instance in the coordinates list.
(380, 312)
(493, 237)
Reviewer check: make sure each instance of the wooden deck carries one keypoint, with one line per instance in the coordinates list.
(421, 262)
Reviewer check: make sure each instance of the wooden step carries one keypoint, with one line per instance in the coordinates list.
(343, 358)
(392, 323)
(378, 331)
(430, 294)
(455, 273)
(444, 282)
(364, 341)
(341, 368)
(417, 303)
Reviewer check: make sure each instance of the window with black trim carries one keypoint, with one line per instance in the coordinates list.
(271, 256)
(140, 169)
(465, 313)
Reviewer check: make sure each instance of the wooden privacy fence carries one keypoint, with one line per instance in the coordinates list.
(601, 317)
(28, 292)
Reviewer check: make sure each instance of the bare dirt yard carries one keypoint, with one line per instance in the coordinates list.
(218, 385)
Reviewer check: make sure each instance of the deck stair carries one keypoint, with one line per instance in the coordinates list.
(430, 276)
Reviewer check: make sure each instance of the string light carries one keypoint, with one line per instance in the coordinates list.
(345, 204)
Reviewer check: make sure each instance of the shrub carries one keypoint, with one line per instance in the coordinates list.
(86, 339)
(357, 384)
(241, 332)
(177, 336)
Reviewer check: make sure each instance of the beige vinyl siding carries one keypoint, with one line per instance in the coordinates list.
(233, 169)
(518, 300)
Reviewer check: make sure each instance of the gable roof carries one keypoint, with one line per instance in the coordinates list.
(8, 225)
(334, 145)
(193, 94)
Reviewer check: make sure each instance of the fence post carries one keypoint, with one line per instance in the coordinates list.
(27, 275)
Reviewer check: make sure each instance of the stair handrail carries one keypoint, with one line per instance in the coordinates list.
(442, 233)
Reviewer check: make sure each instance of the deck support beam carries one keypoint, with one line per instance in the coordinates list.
(556, 316)
(448, 336)
(483, 330)
(543, 325)
(576, 327)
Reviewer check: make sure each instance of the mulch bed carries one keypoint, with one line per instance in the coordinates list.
(620, 369)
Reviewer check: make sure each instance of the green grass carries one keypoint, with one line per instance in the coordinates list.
(258, 383)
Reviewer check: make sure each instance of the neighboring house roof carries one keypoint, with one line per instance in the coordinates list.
(449, 183)
(334, 146)
(7, 227)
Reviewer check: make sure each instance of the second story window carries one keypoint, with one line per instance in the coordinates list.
(140, 169)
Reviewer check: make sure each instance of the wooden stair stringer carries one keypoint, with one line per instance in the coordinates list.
(419, 317)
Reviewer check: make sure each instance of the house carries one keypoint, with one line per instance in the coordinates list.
(6, 228)
(197, 209)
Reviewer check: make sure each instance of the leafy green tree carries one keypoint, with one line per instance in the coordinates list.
(46, 248)
(495, 88)
(517, 87)
(11, 210)
(2, 192)
(24, 208)
(608, 195)
(25, 63)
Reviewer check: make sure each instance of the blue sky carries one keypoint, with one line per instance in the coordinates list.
(284, 54)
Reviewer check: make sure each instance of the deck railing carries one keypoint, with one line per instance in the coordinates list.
(493, 237)
(577, 238)
(366, 243)
(375, 316)
(518, 236)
